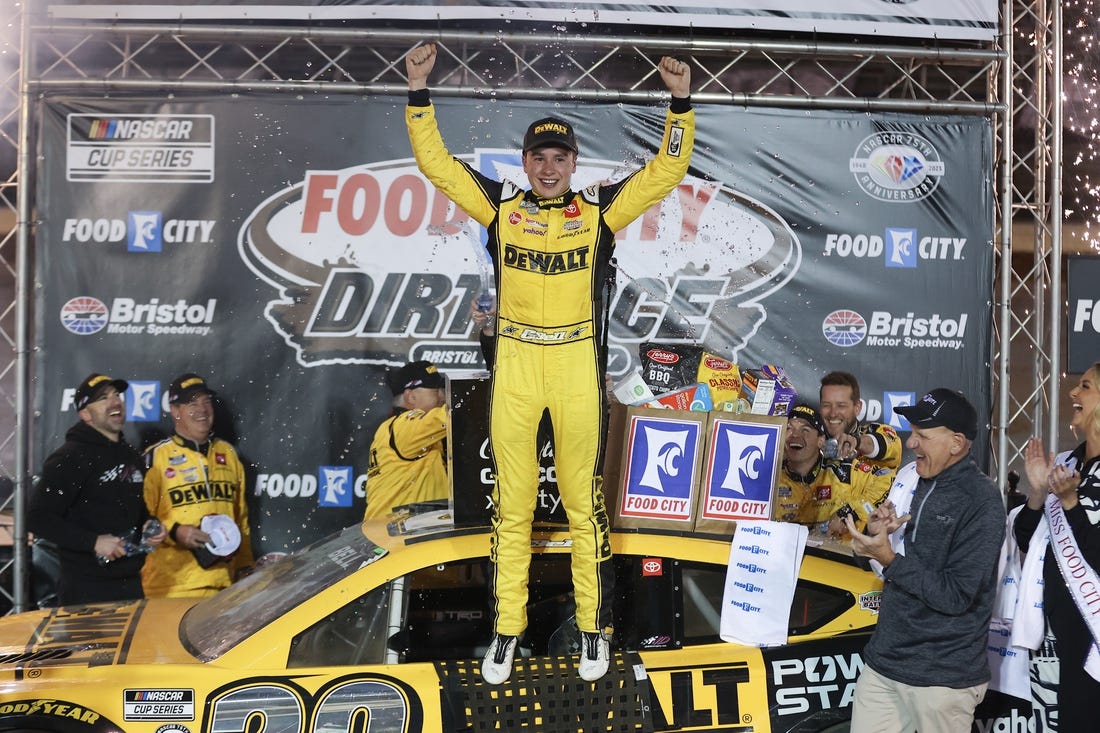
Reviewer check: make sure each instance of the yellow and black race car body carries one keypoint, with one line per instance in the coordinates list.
(379, 629)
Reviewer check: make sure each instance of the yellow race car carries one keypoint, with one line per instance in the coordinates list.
(381, 628)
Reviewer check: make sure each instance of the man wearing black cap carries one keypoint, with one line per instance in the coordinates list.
(190, 477)
(551, 247)
(89, 502)
(811, 489)
(925, 667)
(407, 462)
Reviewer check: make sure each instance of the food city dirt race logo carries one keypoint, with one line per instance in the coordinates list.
(371, 265)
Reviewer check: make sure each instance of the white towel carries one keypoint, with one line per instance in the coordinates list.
(1009, 572)
(1009, 666)
(901, 495)
(760, 582)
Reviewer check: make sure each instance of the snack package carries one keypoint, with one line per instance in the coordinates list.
(768, 390)
(695, 398)
(632, 390)
(667, 367)
(721, 376)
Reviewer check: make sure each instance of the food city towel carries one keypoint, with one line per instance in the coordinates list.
(760, 582)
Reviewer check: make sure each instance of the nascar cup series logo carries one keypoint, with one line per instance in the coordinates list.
(372, 265)
(896, 166)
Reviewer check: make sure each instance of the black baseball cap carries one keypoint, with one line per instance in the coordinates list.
(95, 383)
(186, 386)
(415, 374)
(804, 412)
(550, 131)
(943, 407)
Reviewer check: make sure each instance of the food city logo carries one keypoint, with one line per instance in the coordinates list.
(85, 315)
(846, 328)
(891, 401)
(333, 486)
(742, 466)
(371, 265)
(140, 147)
(896, 166)
(898, 246)
(143, 231)
(144, 401)
(661, 468)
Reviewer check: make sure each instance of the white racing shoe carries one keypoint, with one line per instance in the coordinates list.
(595, 655)
(497, 665)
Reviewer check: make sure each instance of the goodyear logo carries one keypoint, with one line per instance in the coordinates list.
(57, 708)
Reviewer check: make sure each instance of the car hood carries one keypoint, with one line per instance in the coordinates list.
(136, 632)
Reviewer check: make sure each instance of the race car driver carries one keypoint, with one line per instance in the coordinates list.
(811, 490)
(551, 248)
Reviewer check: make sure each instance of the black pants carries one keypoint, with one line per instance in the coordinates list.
(76, 588)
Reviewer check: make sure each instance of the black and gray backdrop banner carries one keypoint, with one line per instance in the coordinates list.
(289, 251)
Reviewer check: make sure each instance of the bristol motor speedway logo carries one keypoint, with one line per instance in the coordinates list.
(846, 328)
(742, 466)
(85, 315)
(659, 481)
(371, 265)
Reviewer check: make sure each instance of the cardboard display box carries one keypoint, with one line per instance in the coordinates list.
(655, 481)
(743, 459)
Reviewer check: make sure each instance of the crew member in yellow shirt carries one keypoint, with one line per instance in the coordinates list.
(408, 460)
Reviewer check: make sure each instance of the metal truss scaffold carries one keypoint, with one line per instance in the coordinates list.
(1017, 77)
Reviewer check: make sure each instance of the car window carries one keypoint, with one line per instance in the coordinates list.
(272, 591)
(444, 612)
(355, 634)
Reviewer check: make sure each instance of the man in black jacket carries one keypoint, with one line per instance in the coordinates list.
(925, 667)
(90, 504)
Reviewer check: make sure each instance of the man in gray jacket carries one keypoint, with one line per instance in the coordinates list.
(925, 667)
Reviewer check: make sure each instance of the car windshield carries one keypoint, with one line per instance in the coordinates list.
(271, 591)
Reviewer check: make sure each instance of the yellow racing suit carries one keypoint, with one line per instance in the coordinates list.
(185, 481)
(407, 462)
(813, 499)
(551, 260)
(887, 444)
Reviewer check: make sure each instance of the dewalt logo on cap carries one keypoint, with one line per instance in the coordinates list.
(549, 131)
(94, 381)
(191, 383)
(551, 127)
